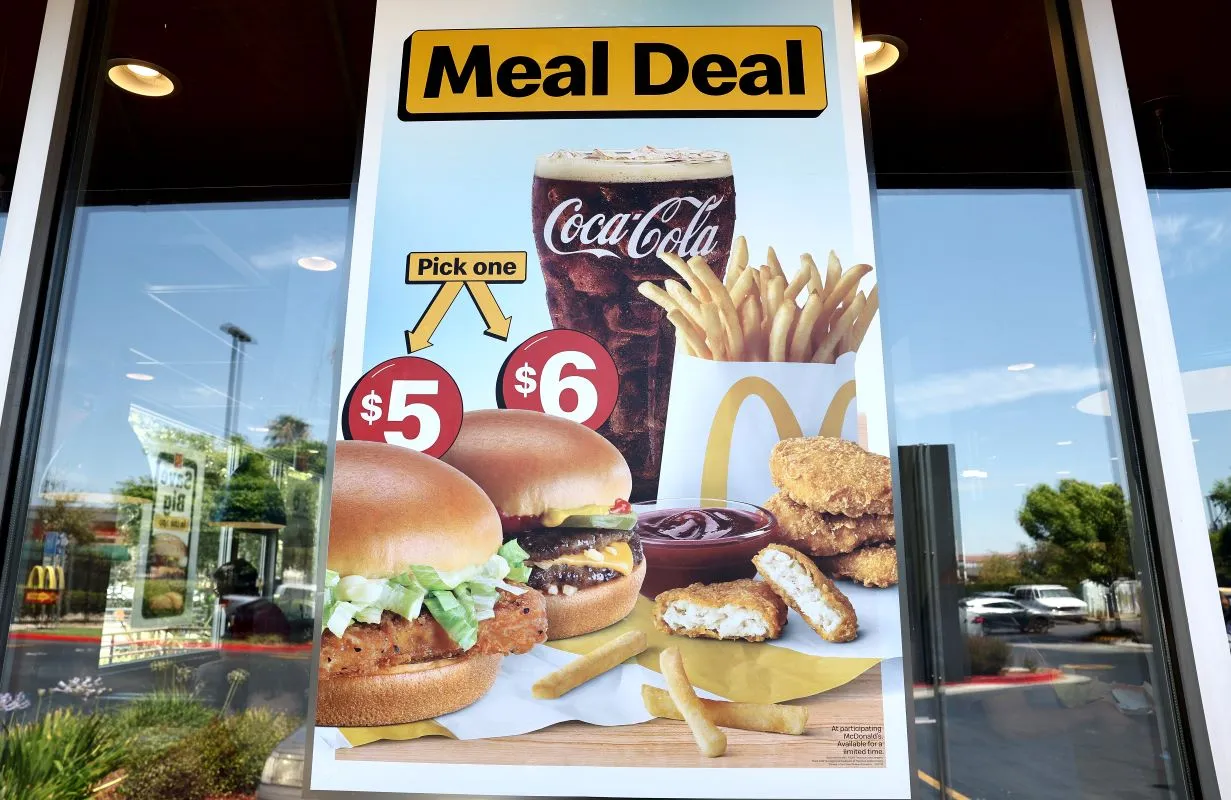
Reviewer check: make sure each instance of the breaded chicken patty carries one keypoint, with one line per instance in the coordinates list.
(743, 609)
(795, 579)
(821, 534)
(833, 476)
(875, 566)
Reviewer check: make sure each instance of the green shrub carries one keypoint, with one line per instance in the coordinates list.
(59, 756)
(224, 757)
(988, 656)
(155, 722)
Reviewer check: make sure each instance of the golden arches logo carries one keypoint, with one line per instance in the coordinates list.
(716, 467)
(50, 578)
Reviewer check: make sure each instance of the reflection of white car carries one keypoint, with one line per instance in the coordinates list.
(1056, 601)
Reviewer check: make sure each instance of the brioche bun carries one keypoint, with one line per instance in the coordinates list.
(394, 507)
(529, 462)
(405, 694)
(595, 607)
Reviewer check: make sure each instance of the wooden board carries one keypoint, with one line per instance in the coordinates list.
(667, 743)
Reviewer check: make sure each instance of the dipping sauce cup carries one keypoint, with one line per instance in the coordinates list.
(698, 540)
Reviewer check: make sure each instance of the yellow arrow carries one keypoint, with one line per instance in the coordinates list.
(497, 323)
(421, 337)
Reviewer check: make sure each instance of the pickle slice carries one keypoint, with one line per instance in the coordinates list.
(611, 522)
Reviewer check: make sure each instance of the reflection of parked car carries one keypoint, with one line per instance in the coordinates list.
(989, 614)
(283, 774)
(1056, 601)
(298, 603)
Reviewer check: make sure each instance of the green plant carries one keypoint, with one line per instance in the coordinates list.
(59, 756)
(224, 757)
(988, 656)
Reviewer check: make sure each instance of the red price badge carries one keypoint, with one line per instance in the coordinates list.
(563, 373)
(407, 401)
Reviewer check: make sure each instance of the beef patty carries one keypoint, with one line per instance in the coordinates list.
(547, 544)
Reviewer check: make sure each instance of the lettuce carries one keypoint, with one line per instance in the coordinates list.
(458, 600)
(455, 617)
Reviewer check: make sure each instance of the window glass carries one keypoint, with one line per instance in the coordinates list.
(167, 586)
(20, 27)
(993, 339)
(1182, 108)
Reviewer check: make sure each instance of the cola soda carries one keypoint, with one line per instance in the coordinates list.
(601, 218)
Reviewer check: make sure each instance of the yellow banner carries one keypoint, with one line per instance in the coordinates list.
(718, 71)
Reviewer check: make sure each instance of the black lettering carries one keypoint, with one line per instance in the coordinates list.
(425, 265)
(795, 66)
(602, 68)
(769, 75)
(643, 82)
(478, 65)
(710, 67)
(571, 79)
(518, 68)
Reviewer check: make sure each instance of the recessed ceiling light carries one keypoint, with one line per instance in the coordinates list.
(1115, 458)
(881, 52)
(317, 263)
(138, 376)
(973, 473)
(1196, 440)
(1021, 484)
(1063, 472)
(1022, 367)
(140, 77)
(1064, 443)
(258, 429)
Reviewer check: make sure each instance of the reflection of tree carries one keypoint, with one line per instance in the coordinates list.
(1220, 536)
(286, 429)
(1080, 530)
(999, 569)
(64, 514)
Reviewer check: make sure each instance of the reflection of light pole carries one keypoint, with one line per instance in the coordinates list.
(239, 338)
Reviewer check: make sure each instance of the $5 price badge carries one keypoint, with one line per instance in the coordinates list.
(563, 373)
(407, 401)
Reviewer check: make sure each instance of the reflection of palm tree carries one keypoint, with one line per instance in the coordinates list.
(286, 430)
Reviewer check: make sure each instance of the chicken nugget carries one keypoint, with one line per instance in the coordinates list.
(805, 588)
(833, 476)
(820, 534)
(875, 567)
(743, 609)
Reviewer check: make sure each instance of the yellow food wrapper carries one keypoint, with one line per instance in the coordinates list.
(745, 672)
(724, 418)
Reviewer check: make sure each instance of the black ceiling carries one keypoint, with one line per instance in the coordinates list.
(273, 94)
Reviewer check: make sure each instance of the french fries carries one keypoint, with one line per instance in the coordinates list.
(590, 666)
(758, 314)
(710, 741)
(743, 716)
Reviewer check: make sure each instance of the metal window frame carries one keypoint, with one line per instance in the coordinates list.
(29, 283)
(1168, 494)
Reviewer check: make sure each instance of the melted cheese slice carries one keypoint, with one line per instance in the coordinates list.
(553, 517)
(616, 556)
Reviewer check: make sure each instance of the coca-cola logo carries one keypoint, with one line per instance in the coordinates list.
(656, 231)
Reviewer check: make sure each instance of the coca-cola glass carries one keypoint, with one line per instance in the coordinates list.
(601, 218)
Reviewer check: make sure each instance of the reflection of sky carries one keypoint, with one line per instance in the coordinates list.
(152, 286)
(973, 282)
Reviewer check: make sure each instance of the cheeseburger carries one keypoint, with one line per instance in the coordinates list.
(562, 493)
(422, 597)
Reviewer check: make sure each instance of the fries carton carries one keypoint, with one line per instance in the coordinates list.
(724, 418)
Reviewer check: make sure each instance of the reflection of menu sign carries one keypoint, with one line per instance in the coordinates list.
(173, 499)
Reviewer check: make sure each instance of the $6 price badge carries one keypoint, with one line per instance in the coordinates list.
(563, 373)
(407, 401)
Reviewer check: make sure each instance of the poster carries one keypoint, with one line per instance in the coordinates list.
(613, 405)
(165, 579)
